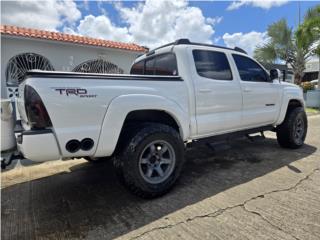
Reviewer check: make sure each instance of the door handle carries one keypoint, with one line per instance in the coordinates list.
(205, 90)
(247, 89)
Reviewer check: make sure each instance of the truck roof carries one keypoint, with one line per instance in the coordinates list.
(185, 41)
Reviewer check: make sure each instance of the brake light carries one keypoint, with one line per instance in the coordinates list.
(36, 112)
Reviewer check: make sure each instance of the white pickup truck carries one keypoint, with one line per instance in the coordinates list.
(179, 93)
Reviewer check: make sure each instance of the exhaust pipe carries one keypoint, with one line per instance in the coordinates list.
(73, 146)
(86, 144)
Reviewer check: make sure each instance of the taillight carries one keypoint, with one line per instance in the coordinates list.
(36, 112)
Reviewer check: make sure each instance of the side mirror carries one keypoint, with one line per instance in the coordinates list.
(275, 74)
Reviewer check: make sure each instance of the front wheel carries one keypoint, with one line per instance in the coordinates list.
(151, 160)
(292, 132)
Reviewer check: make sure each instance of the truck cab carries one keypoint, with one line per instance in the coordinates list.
(229, 90)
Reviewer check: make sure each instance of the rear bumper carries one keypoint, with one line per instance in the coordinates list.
(37, 145)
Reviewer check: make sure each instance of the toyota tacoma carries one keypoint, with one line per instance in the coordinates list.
(175, 95)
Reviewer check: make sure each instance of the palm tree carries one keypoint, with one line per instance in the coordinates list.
(279, 46)
(298, 63)
(282, 45)
(309, 33)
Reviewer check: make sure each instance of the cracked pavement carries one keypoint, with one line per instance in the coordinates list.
(253, 190)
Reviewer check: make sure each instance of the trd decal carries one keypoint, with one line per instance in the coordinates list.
(80, 92)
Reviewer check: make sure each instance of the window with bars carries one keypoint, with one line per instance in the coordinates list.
(98, 66)
(20, 64)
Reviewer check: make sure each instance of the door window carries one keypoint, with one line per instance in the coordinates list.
(249, 70)
(211, 64)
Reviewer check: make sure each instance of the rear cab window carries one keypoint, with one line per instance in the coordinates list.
(149, 66)
(166, 64)
(212, 64)
(162, 64)
(137, 68)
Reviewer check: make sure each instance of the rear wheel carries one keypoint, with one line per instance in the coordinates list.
(151, 160)
(292, 132)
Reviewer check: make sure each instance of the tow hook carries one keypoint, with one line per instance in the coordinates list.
(7, 158)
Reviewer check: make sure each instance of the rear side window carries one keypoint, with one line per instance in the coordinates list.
(163, 64)
(137, 68)
(249, 70)
(211, 64)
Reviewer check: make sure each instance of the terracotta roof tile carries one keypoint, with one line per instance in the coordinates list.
(63, 37)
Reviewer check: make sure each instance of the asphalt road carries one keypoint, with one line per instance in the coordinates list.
(253, 190)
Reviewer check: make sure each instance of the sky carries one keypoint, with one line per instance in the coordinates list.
(152, 23)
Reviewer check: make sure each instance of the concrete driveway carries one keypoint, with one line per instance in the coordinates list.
(250, 191)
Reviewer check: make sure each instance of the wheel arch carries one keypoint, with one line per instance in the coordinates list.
(152, 115)
(287, 106)
(139, 107)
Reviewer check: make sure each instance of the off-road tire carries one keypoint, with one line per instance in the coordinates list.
(286, 130)
(132, 142)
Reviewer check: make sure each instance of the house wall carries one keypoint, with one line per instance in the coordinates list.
(312, 66)
(63, 56)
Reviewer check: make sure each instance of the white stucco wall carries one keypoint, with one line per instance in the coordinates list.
(312, 65)
(63, 56)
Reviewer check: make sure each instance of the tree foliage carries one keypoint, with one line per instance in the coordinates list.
(292, 47)
(280, 43)
(308, 33)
